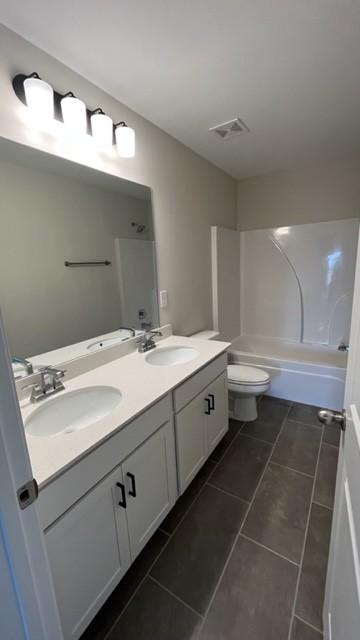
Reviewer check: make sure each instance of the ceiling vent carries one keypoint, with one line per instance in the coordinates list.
(228, 130)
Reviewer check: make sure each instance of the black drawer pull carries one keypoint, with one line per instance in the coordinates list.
(212, 398)
(122, 502)
(132, 492)
(208, 408)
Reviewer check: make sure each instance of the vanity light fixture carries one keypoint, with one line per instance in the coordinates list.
(102, 129)
(125, 140)
(46, 104)
(39, 97)
(74, 114)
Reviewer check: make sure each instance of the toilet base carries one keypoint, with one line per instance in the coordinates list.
(243, 408)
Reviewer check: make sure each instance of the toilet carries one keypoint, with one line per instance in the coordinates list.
(245, 383)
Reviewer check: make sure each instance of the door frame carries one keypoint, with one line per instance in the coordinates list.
(352, 392)
(21, 535)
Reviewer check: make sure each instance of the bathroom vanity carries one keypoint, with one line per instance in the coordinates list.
(105, 488)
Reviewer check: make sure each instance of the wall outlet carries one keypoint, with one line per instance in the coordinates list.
(163, 299)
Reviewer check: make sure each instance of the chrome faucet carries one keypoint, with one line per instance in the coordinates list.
(147, 342)
(131, 329)
(26, 364)
(48, 381)
(343, 346)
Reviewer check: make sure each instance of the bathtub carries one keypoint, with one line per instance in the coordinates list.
(312, 374)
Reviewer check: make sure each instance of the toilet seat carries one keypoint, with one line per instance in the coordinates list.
(245, 375)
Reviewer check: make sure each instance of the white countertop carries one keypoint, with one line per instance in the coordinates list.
(141, 385)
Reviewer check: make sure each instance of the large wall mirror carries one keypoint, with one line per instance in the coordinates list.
(77, 257)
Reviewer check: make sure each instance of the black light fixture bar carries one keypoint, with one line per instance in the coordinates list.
(18, 86)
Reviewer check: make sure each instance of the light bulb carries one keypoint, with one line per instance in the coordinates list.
(125, 140)
(74, 114)
(102, 130)
(39, 99)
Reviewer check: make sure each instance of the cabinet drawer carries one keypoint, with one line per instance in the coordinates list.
(192, 387)
(64, 491)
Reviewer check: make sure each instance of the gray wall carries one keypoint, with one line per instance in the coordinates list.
(189, 194)
(46, 219)
(328, 190)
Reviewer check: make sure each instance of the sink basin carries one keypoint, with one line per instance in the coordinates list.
(72, 411)
(106, 342)
(168, 356)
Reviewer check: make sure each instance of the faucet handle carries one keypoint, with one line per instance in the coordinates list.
(53, 371)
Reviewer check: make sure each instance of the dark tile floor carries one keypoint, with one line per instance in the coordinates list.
(243, 553)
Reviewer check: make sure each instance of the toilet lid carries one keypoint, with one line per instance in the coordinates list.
(247, 375)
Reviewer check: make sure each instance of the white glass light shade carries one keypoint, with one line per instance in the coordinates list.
(39, 98)
(125, 141)
(74, 115)
(102, 130)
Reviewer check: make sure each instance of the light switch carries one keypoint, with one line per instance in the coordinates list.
(163, 299)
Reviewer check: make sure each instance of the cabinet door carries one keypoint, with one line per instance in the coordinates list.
(151, 489)
(191, 440)
(218, 420)
(88, 551)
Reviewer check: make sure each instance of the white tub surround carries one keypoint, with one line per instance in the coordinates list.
(296, 287)
(312, 374)
(303, 284)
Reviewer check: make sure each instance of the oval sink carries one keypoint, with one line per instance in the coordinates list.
(168, 356)
(106, 342)
(72, 411)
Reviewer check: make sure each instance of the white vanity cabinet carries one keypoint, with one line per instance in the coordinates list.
(93, 543)
(201, 419)
(100, 513)
(149, 484)
(217, 422)
(88, 550)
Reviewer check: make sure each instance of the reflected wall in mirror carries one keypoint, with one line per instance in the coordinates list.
(54, 212)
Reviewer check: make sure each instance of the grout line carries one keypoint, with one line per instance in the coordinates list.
(199, 615)
(308, 624)
(248, 435)
(329, 444)
(170, 535)
(241, 527)
(276, 553)
(215, 463)
(305, 538)
(137, 589)
(227, 493)
(325, 506)
(224, 454)
(306, 424)
(284, 466)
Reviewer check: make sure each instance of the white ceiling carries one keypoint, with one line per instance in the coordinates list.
(290, 69)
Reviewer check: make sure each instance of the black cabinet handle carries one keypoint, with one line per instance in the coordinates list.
(212, 398)
(208, 408)
(122, 502)
(132, 492)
